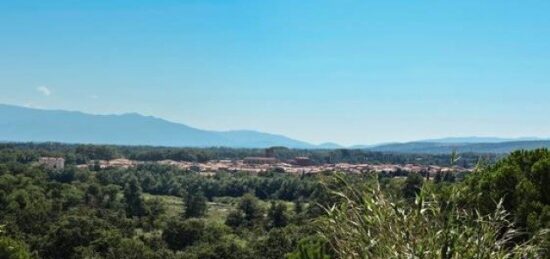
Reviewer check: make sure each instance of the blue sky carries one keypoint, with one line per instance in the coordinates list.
(352, 72)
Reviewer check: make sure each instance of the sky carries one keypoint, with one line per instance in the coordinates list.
(350, 72)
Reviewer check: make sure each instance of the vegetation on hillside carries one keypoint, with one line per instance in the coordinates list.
(152, 211)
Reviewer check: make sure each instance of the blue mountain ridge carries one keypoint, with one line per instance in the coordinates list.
(21, 124)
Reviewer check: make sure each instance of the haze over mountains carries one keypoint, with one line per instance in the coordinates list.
(440, 148)
(479, 140)
(21, 124)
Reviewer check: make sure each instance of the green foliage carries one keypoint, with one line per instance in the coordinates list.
(277, 215)
(310, 248)
(249, 213)
(134, 202)
(180, 234)
(135, 212)
(412, 185)
(251, 210)
(522, 181)
(195, 205)
(157, 211)
(26, 152)
(371, 225)
(11, 248)
(298, 206)
(235, 219)
(276, 244)
(224, 249)
(130, 249)
(71, 233)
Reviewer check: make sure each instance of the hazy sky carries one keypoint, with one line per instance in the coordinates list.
(353, 72)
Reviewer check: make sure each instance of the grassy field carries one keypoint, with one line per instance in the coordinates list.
(217, 209)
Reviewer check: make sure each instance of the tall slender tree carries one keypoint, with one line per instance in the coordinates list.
(135, 206)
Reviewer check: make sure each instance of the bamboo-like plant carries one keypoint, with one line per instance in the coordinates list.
(369, 224)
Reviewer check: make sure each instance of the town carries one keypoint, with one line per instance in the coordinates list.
(255, 165)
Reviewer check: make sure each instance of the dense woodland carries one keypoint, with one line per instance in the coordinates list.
(499, 211)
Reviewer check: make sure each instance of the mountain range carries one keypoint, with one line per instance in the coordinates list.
(445, 148)
(22, 124)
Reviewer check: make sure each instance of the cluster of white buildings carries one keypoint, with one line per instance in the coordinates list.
(256, 165)
(115, 163)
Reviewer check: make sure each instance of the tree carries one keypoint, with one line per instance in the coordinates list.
(521, 180)
(412, 186)
(251, 210)
(195, 205)
(93, 195)
(179, 234)
(71, 232)
(277, 215)
(134, 203)
(235, 219)
(275, 245)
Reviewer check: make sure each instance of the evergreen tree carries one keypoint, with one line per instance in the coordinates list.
(277, 215)
(195, 205)
(134, 203)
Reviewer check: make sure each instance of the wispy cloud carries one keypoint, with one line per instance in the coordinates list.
(44, 90)
(94, 96)
(31, 105)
